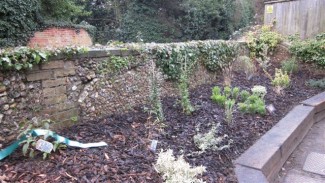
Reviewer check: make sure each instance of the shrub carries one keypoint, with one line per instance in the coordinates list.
(210, 141)
(290, 66)
(244, 95)
(258, 41)
(281, 81)
(155, 79)
(310, 50)
(317, 83)
(253, 104)
(177, 170)
(260, 91)
(220, 98)
(229, 109)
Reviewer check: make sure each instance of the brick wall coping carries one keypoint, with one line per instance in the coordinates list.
(262, 162)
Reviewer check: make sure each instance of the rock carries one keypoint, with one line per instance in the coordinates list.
(6, 82)
(3, 100)
(2, 88)
(14, 105)
(74, 88)
(83, 96)
(1, 117)
(23, 94)
(22, 86)
(6, 107)
(8, 112)
(3, 94)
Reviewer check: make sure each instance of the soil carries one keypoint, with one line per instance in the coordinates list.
(127, 158)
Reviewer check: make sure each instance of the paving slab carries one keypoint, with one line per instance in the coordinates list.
(293, 170)
(298, 177)
(315, 163)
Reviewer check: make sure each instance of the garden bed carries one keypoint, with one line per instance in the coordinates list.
(127, 157)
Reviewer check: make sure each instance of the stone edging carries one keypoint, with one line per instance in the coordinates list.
(262, 162)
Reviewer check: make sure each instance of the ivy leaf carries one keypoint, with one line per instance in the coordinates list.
(18, 67)
(25, 149)
(37, 59)
(43, 55)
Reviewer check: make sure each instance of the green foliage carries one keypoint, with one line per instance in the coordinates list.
(24, 58)
(259, 91)
(29, 144)
(61, 10)
(310, 50)
(209, 140)
(218, 55)
(171, 59)
(228, 93)
(290, 66)
(229, 109)
(215, 55)
(253, 104)
(185, 95)
(155, 79)
(113, 64)
(264, 39)
(317, 83)
(18, 20)
(244, 94)
(281, 80)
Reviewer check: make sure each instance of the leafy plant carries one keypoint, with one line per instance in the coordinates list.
(290, 66)
(220, 98)
(185, 96)
(253, 104)
(24, 58)
(262, 41)
(259, 91)
(317, 83)
(210, 141)
(244, 94)
(281, 81)
(29, 144)
(229, 109)
(310, 50)
(177, 170)
(154, 93)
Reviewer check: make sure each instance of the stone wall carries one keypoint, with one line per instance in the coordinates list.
(78, 88)
(60, 37)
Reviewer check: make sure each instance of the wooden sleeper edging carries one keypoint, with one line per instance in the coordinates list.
(262, 162)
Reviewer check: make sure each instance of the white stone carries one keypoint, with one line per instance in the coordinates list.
(74, 88)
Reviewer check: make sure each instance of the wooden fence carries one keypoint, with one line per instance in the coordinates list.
(305, 17)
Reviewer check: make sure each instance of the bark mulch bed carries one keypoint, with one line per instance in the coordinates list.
(127, 158)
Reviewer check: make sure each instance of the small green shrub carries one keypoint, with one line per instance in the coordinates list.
(259, 91)
(244, 94)
(229, 110)
(281, 81)
(290, 66)
(29, 144)
(317, 83)
(155, 79)
(253, 104)
(259, 40)
(177, 170)
(183, 86)
(220, 98)
(310, 50)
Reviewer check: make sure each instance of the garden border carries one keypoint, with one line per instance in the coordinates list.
(262, 162)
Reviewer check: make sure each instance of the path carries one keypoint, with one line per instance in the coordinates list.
(292, 171)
